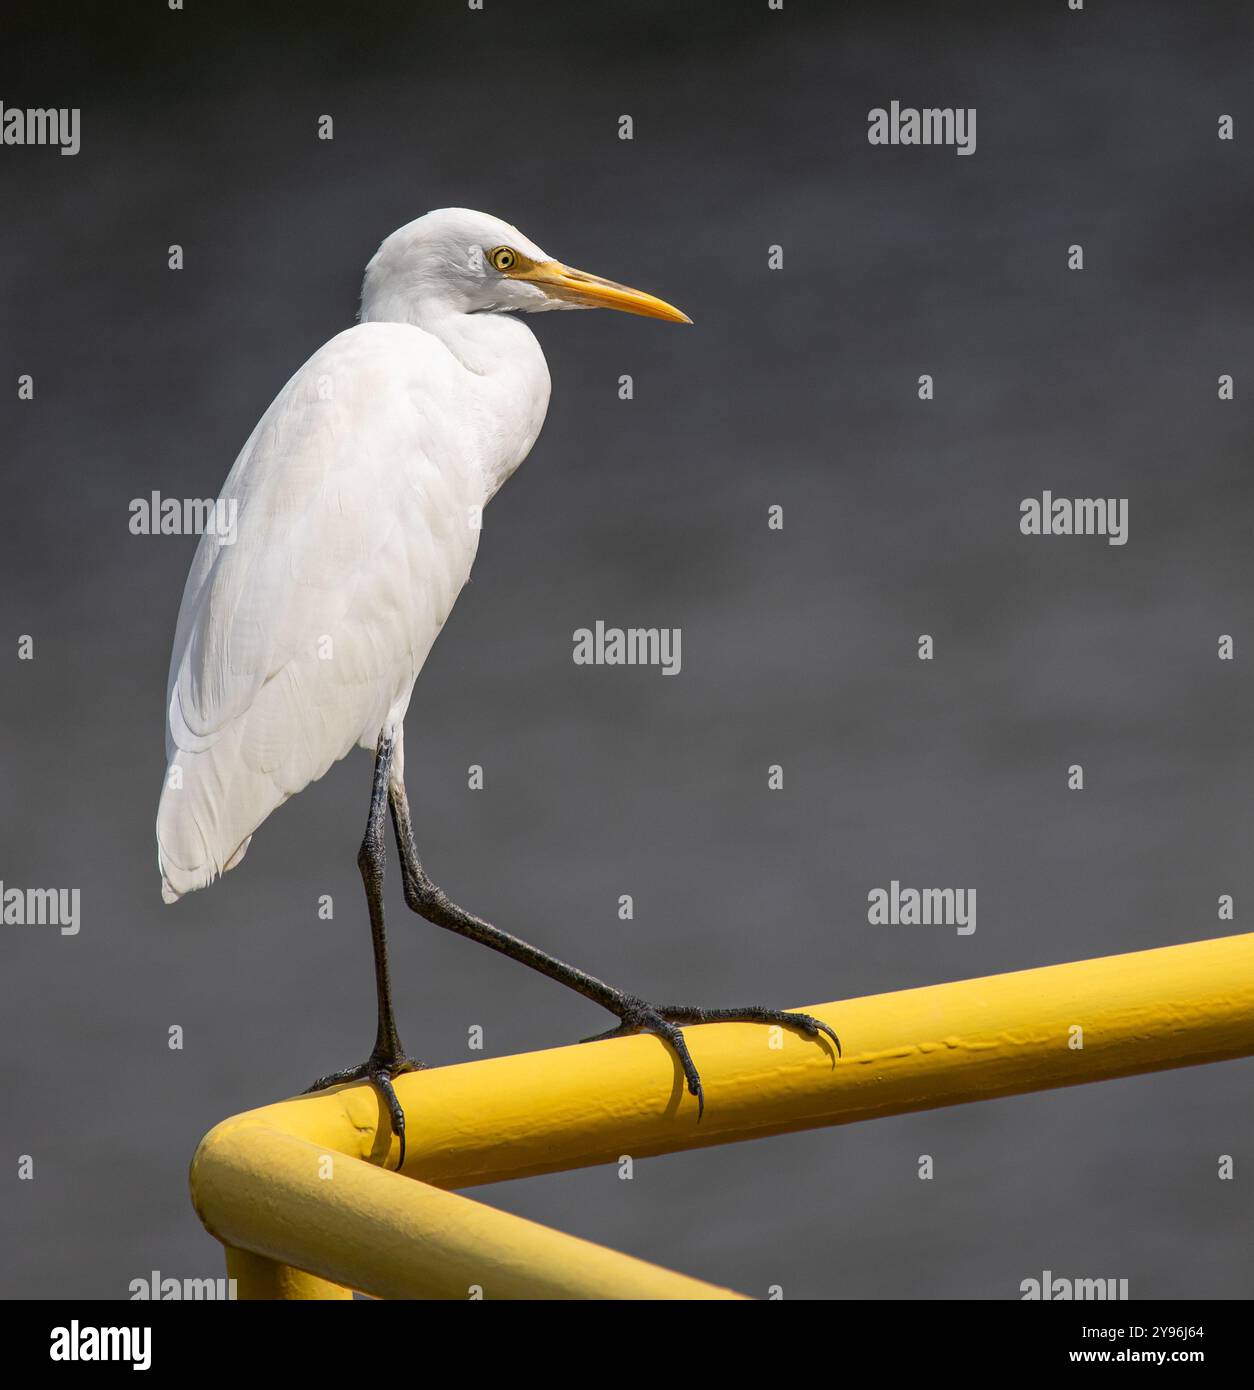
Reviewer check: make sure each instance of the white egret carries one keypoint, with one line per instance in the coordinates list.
(356, 498)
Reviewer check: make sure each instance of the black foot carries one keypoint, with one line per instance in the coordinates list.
(380, 1070)
(664, 1021)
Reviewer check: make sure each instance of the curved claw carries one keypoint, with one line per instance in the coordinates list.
(643, 1019)
(395, 1113)
(807, 1023)
(673, 1034)
(664, 1022)
(380, 1073)
(813, 1026)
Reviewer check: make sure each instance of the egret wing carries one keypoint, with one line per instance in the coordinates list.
(304, 624)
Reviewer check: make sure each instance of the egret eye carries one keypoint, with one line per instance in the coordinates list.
(502, 258)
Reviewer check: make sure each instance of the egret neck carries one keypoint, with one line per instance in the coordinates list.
(508, 381)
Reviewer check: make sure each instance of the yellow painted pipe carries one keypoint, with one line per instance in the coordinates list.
(513, 1117)
(259, 1278)
(299, 1206)
(543, 1112)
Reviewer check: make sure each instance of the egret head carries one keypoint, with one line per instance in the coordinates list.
(458, 261)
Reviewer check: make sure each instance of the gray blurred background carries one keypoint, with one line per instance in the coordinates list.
(795, 387)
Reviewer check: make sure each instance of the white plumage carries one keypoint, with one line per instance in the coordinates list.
(355, 532)
(358, 497)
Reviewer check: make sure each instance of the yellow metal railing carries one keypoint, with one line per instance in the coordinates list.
(303, 1185)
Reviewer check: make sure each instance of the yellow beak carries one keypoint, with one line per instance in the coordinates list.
(578, 287)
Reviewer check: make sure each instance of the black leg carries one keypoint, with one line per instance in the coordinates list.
(635, 1015)
(388, 1056)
